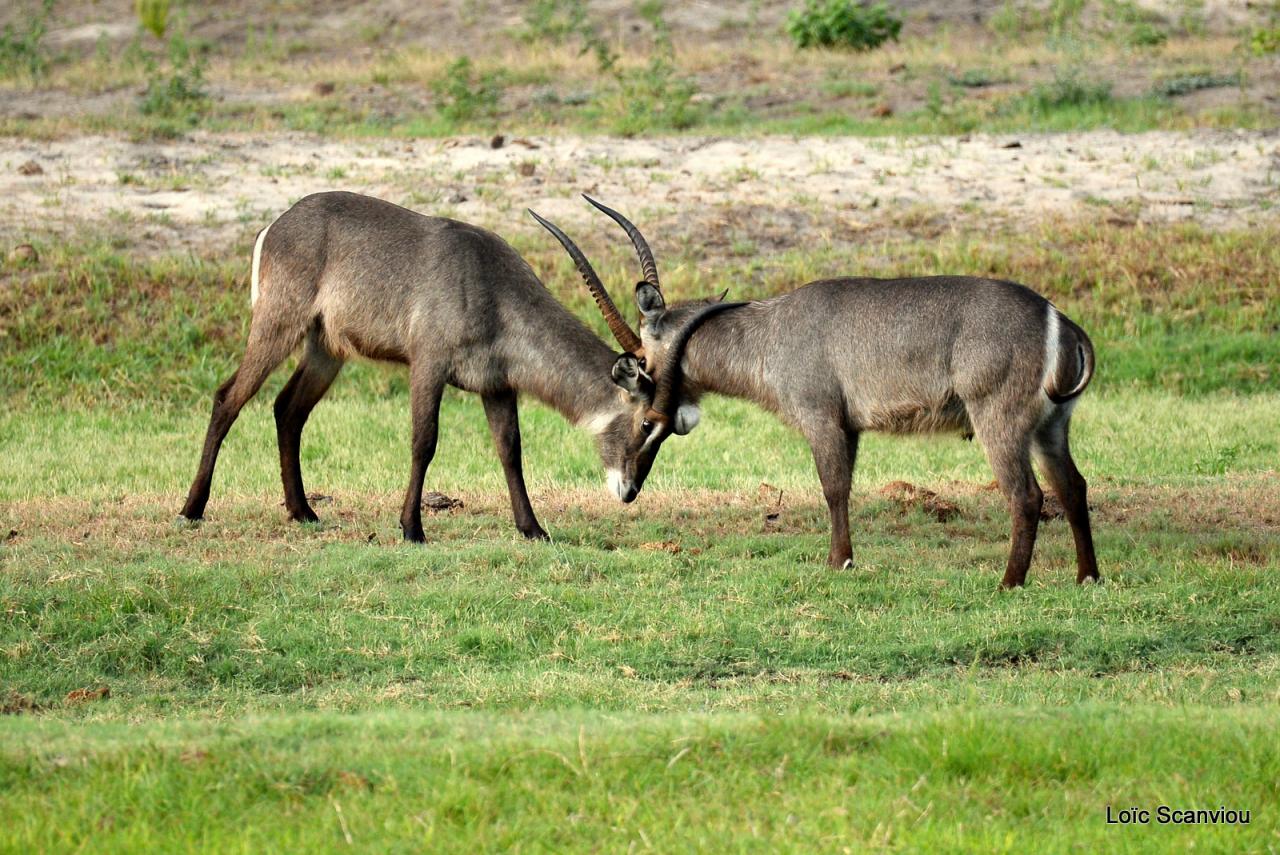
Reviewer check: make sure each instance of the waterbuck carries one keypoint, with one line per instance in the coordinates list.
(837, 357)
(355, 276)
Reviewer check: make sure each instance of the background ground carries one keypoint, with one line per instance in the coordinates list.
(682, 673)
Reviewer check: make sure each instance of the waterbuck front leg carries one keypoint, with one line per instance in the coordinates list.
(426, 388)
(313, 377)
(835, 448)
(504, 424)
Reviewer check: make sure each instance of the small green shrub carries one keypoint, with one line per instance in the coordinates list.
(1068, 89)
(153, 15)
(554, 21)
(462, 93)
(21, 51)
(1014, 19)
(657, 96)
(1186, 83)
(976, 78)
(175, 90)
(843, 23)
(1265, 40)
(1146, 34)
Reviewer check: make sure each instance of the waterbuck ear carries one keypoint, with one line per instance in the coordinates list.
(720, 299)
(627, 374)
(687, 418)
(650, 301)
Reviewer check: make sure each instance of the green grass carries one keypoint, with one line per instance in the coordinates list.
(674, 674)
(483, 690)
(1178, 308)
(448, 781)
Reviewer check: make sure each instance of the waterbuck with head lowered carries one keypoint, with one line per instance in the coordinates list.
(837, 357)
(350, 275)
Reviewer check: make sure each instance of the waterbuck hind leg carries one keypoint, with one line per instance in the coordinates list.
(1012, 466)
(426, 388)
(312, 379)
(264, 352)
(1054, 456)
(834, 451)
(504, 424)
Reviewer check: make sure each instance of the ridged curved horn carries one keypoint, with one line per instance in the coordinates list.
(617, 324)
(667, 396)
(647, 263)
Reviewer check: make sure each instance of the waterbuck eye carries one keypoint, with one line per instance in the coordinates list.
(646, 426)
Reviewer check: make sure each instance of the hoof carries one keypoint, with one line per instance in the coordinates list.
(185, 523)
(536, 534)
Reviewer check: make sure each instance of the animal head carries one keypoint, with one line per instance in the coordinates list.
(653, 409)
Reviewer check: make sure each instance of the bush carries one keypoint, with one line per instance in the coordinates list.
(178, 91)
(21, 51)
(1068, 90)
(843, 23)
(1186, 83)
(462, 93)
(554, 21)
(1265, 40)
(1144, 34)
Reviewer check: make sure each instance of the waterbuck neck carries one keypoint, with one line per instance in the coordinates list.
(565, 365)
(727, 356)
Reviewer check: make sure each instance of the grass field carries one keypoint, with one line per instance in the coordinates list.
(682, 673)
(679, 673)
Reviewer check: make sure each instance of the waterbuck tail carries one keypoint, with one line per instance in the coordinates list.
(1072, 352)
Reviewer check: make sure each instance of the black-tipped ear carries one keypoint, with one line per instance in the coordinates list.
(650, 302)
(628, 374)
(720, 299)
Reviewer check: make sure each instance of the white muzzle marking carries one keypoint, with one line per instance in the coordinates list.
(617, 483)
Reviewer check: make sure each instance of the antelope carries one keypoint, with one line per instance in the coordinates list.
(838, 357)
(348, 275)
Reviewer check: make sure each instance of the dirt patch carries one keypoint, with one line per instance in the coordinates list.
(440, 503)
(728, 196)
(14, 703)
(909, 496)
(79, 696)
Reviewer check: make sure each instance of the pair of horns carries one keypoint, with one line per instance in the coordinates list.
(618, 325)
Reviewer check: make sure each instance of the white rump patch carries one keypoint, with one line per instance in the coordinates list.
(1051, 337)
(596, 424)
(257, 264)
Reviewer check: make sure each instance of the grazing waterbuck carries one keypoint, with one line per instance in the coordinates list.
(837, 357)
(351, 275)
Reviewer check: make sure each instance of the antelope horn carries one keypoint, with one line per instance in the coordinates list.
(617, 324)
(647, 263)
(667, 396)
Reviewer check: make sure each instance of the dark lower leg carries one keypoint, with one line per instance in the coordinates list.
(425, 393)
(219, 423)
(1061, 473)
(293, 407)
(834, 452)
(1024, 508)
(504, 424)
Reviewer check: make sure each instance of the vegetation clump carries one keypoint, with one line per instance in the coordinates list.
(843, 24)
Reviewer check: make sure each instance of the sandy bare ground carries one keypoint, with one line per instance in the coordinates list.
(216, 188)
